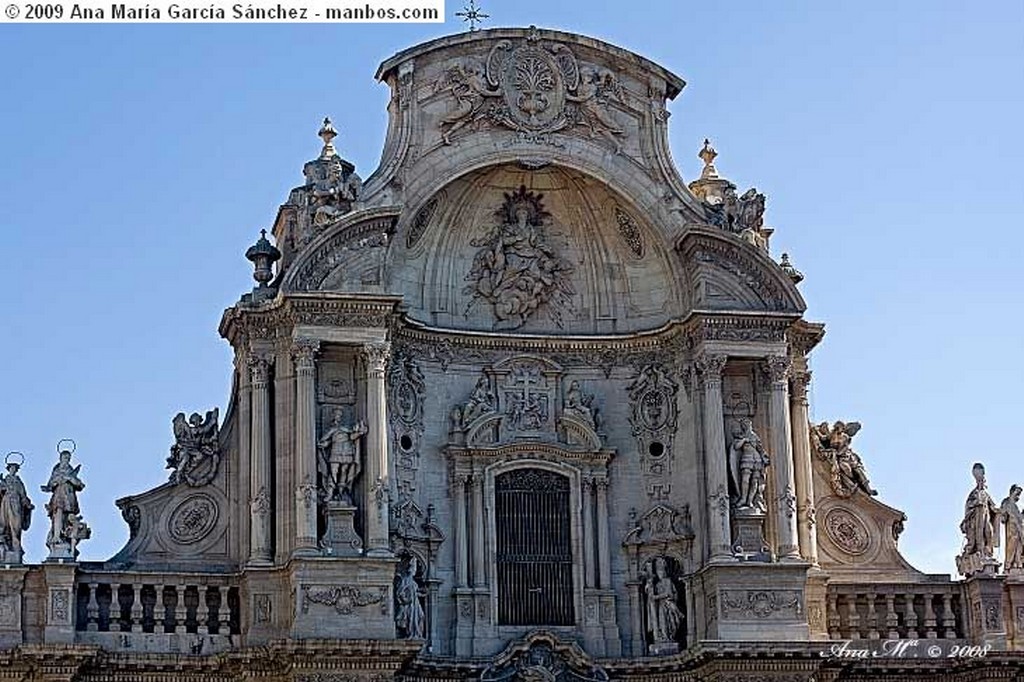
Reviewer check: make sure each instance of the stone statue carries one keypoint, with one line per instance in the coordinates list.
(195, 455)
(481, 401)
(747, 462)
(592, 98)
(468, 85)
(339, 452)
(516, 270)
(980, 528)
(580, 404)
(663, 614)
(1013, 522)
(15, 513)
(833, 445)
(409, 616)
(66, 526)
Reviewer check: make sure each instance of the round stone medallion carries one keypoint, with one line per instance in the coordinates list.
(193, 519)
(847, 531)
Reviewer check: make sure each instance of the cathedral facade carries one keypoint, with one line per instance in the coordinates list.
(522, 404)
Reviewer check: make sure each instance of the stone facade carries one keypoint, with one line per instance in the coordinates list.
(520, 405)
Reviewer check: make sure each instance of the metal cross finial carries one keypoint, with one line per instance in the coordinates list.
(472, 15)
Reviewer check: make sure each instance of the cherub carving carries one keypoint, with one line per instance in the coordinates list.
(592, 97)
(468, 85)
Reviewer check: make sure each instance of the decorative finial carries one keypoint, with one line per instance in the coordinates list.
(327, 133)
(263, 255)
(472, 15)
(708, 154)
(788, 268)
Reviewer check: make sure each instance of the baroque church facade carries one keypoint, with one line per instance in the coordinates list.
(522, 404)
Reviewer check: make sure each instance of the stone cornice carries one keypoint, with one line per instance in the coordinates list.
(804, 336)
(277, 318)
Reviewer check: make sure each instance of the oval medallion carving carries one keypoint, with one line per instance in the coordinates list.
(534, 89)
(847, 531)
(193, 519)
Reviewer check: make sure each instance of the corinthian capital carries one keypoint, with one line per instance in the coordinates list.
(710, 366)
(304, 353)
(259, 366)
(377, 356)
(799, 381)
(776, 368)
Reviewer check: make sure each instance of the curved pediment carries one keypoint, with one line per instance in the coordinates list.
(728, 274)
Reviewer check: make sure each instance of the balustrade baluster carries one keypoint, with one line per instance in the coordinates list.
(136, 610)
(948, 617)
(891, 619)
(203, 611)
(92, 610)
(911, 616)
(834, 621)
(852, 616)
(872, 616)
(179, 609)
(929, 616)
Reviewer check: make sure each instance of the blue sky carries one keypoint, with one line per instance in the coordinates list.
(139, 162)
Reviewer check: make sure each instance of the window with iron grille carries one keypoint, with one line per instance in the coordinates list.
(535, 585)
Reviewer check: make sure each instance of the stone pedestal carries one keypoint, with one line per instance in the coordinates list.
(343, 598)
(1014, 615)
(12, 584)
(748, 537)
(663, 649)
(341, 538)
(749, 602)
(60, 603)
(987, 611)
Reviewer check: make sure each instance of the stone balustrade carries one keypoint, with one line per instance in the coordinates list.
(156, 604)
(896, 611)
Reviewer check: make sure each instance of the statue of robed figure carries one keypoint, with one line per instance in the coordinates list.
(15, 512)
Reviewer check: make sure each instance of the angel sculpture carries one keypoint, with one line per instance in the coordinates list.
(471, 91)
(195, 455)
(747, 463)
(833, 445)
(339, 458)
(592, 96)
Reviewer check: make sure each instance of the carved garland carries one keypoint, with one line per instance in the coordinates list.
(344, 599)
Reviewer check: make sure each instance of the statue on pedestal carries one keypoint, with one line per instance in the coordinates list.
(15, 511)
(747, 463)
(339, 452)
(481, 401)
(580, 405)
(663, 614)
(66, 526)
(1013, 521)
(980, 527)
(409, 616)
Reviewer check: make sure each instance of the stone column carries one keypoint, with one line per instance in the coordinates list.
(603, 550)
(589, 563)
(459, 528)
(777, 370)
(710, 368)
(476, 484)
(304, 355)
(803, 478)
(244, 479)
(260, 462)
(375, 482)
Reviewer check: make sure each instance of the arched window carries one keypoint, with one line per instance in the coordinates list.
(534, 548)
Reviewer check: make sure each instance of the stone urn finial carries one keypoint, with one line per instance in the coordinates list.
(795, 275)
(263, 255)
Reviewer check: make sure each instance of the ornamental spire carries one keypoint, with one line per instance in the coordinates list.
(327, 133)
(707, 154)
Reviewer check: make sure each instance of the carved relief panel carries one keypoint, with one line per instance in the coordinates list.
(654, 416)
